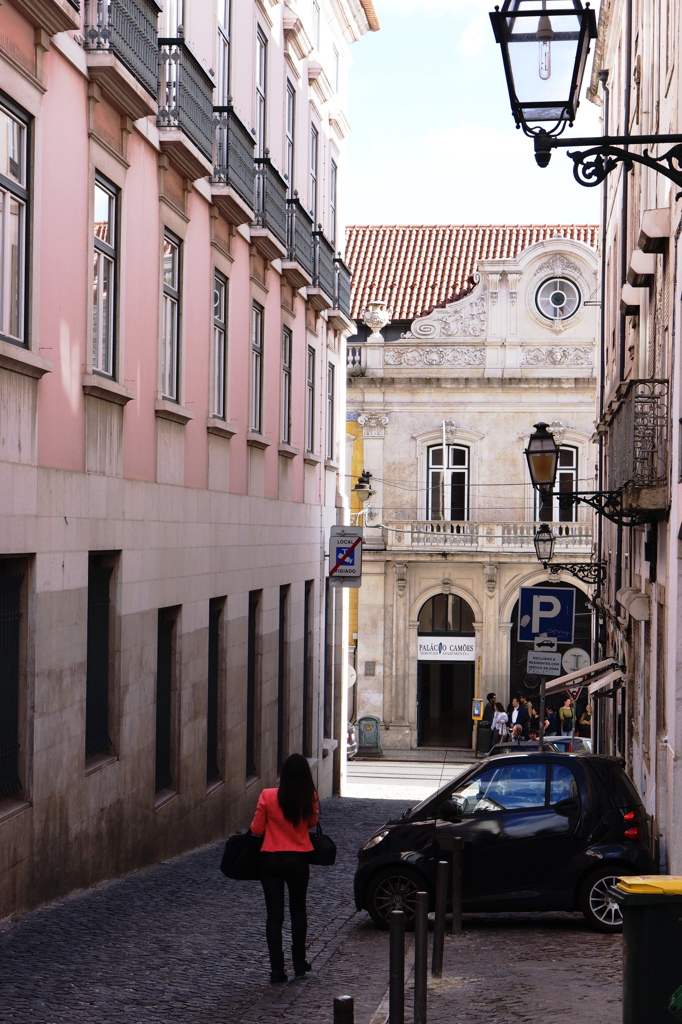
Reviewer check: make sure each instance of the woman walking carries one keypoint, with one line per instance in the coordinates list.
(284, 816)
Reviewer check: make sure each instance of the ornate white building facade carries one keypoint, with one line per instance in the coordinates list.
(449, 541)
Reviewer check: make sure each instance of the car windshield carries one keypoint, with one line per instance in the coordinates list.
(443, 791)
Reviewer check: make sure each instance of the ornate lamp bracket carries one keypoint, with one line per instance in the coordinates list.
(606, 503)
(588, 572)
(602, 155)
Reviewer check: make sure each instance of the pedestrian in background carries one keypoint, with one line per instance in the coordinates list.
(284, 816)
(566, 715)
(500, 719)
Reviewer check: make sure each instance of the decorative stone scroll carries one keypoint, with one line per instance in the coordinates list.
(559, 266)
(557, 429)
(558, 355)
(464, 319)
(490, 572)
(373, 424)
(462, 355)
(400, 570)
(446, 584)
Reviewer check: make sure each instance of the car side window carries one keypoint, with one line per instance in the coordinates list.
(562, 784)
(508, 787)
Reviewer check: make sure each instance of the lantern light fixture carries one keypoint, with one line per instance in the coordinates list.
(588, 572)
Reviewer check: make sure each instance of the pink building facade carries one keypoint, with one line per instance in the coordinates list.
(173, 314)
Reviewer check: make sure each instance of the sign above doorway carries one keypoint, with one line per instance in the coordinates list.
(446, 648)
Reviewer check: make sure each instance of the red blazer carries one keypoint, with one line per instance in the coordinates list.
(280, 834)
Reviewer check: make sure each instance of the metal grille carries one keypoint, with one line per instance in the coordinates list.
(164, 689)
(324, 265)
(299, 235)
(638, 436)
(185, 94)
(234, 150)
(97, 739)
(128, 29)
(212, 767)
(10, 618)
(342, 287)
(76, 4)
(271, 199)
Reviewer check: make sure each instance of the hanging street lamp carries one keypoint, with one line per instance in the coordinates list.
(588, 572)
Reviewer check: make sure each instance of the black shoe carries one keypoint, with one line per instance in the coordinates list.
(300, 972)
(278, 977)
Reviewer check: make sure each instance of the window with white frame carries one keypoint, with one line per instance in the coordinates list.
(223, 55)
(310, 401)
(171, 316)
(261, 87)
(219, 345)
(104, 276)
(257, 334)
(333, 179)
(337, 68)
(173, 17)
(286, 385)
(290, 135)
(448, 483)
(330, 411)
(14, 197)
(314, 156)
(548, 508)
(316, 24)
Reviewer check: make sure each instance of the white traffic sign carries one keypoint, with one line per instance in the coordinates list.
(541, 664)
(545, 643)
(575, 658)
(345, 556)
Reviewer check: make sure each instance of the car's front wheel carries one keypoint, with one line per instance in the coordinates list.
(598, 905)
(391, 889)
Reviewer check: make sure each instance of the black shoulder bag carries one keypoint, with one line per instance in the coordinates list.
(324, 848)
(241, 859)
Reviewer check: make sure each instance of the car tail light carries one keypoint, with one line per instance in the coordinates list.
(632, 831)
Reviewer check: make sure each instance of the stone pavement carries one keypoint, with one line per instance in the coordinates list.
(179, 943)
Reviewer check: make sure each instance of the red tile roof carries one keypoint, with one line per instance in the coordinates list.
(417, 267)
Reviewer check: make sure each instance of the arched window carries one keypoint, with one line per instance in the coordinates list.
(446, 615)
(447, 485)
(547, 509)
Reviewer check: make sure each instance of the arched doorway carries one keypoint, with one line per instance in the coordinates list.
(445, 672)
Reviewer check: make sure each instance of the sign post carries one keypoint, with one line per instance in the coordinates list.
(345, 556)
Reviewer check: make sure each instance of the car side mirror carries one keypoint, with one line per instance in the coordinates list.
(567, 808)
(450, 810)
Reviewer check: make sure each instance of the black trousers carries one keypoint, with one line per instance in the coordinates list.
(293, 870)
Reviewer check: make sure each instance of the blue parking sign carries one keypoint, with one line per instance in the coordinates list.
(546, 611)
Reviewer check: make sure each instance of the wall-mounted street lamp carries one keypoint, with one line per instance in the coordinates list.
(544, 46)
(542, 454)
(588, 572)
(363, 492)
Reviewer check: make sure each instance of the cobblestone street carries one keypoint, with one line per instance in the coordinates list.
(180, 943)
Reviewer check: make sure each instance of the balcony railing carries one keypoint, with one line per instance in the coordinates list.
(300, 236)
(638, 433)
(271, 199)
(234, 151)
(185, 95)
(356, 359)
(324, 270)
(341, 286)
(502, 538)
(128, 29)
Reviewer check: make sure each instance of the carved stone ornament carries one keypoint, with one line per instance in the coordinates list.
(559, 266)
(373, 424)
(558, 355)
(557, 429)
(464, 319)
(446, 585)
(463, 355)
(400, 570)
(376, 316)
(490, 572)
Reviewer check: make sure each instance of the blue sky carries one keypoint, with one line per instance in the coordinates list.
(433, 140)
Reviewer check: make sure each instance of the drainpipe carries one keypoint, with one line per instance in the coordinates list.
(599, 642)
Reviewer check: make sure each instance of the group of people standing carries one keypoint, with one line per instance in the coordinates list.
(521, 721)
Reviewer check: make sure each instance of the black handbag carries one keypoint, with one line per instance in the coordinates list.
(241, 858)
(324, 848)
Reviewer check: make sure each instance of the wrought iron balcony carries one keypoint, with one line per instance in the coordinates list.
(121, 42)
(232, 184)
(321, 295)
(637, 445)
(299, 264)
(185, 116)
(342, 287)
(51, 16)
(497, 538)
(269, 233)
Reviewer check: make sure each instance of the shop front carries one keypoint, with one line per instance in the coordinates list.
(446, 662)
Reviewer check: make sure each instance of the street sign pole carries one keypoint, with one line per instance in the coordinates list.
(541, 734)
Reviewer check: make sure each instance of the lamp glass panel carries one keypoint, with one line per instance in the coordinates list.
(543, 467)
(543, 68)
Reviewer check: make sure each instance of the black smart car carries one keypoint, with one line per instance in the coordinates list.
(540, 832)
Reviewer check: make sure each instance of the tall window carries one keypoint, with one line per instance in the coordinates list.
(12, 676)
(283, 675)
(314, 150)
(548, 509)
(13, 223)
(252, 681)
(104, 283)
(316, 24)
(99, 651)
(330, 412)
(171, 316)
(307, 708)
(448, 485)
(286, 385)
(290, 134)
(166, 697)
(261, 85)
(257, 368)
(223, 55)
(337, 68)
(219, 344)
(216, 615)
(310, 401)
(173, 17)
(333, 177)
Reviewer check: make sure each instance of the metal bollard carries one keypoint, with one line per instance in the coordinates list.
(421, 954)
(396, 985)
(344, 1012)
(439, 923)
(456, 923)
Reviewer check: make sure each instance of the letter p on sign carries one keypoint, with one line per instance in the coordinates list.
(544, 607)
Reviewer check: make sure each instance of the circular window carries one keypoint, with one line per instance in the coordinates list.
(558, 298)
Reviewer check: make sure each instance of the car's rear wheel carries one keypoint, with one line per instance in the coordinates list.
(599, 907)
(391, 889)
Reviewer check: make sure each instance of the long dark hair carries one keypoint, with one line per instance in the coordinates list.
(296, 793)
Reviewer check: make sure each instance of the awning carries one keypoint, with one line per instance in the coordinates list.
(596, 676)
